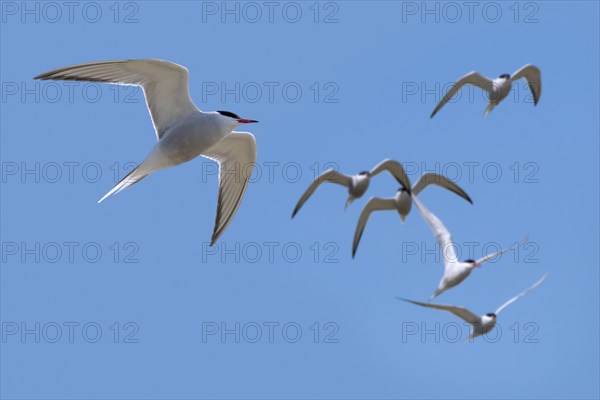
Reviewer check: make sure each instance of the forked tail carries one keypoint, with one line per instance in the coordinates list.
(435, 294)
(489, 108)
(348, 202)
(134, 176)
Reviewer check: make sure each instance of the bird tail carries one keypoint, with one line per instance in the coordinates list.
(470, 338)
(348, 202)
(134, 176)
(435, 294)
(489, 109)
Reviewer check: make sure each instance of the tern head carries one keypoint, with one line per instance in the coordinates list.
(491, 315)
(472, 262)
(404, 190)
(364, 173)
(235, 119)
(505, 76)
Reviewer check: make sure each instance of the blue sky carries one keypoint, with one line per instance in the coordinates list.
(126, 300)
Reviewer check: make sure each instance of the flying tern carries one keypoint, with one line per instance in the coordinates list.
(402, 201)
(357, 184)
(497, 89)
(183, 131)
(455, 271)
(480, 325)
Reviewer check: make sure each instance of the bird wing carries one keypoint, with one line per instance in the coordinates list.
(328, 176)
(498, 253)
(394, 168)
(460, 312)
(442, 181)
(472, 78)
(538, 283)
(533, 76)
(374, 204)
(440, 232)
(236, 155)
(165, 85)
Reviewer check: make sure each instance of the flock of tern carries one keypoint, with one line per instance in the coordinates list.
(184, 132)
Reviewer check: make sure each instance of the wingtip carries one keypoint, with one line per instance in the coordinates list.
(296, 209)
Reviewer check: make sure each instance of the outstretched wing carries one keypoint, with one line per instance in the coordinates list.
(374, 204)
(472, 78)
(394, 168)
(533, 76)
(236, 155)
(538, 283)
(165, 85)
(460, 312)
(440, 232)
(442, 181)
(498, 253)
(328, 176)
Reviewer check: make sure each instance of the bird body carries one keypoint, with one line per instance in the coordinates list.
(191, 137)
(403, 202)
(358, 186)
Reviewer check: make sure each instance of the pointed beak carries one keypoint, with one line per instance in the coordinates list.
(475, 265)
(246, 121)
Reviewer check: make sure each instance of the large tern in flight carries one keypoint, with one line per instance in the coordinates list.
(480, 325)
(497, 89)
(455, 271)
(182, 130)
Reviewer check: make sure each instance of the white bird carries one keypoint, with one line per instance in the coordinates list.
(480, 325)
(497, 89)
(182, 130)
(402, 202)
(455, 271)
(357, 184)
